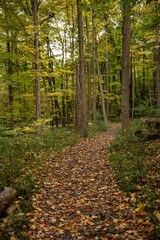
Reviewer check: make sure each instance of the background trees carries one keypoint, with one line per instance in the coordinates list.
(43, 87)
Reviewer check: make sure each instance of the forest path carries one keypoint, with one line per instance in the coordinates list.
(80, 199)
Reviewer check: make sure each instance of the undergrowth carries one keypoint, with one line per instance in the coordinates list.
(21, 163)
(136, 169)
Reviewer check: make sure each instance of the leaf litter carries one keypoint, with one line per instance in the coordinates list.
(79, 198)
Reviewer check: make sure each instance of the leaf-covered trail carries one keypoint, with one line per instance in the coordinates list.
(79, 198)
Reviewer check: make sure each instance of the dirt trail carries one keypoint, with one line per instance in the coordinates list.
(80, 199)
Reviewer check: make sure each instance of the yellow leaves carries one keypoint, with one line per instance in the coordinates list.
(32, 220)
(147, 223)
(17, 205)
(157, 214)
(121, 205)
(139, 207)
(33, 227)
(115, 220)
(133, 197)
(122, 225)
(68, 228)
(56, 94)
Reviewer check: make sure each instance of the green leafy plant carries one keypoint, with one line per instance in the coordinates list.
(133, 160)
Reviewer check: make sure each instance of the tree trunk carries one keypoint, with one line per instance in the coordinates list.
(84, 129)
(88, 65)
(37, 65)
(78, 102)
(46, 100)
(73, 65)
(149, 88)
(157, 61)
(94, 64)
(134, 79)
(101, 91)
(7, 196)
(107, 69)
(125, 68)
(9, 71)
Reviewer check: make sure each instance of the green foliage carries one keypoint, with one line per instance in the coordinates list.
(19, 153)
(144, 109)
(21, 161)
(133, 164)
(99, 128)
(127, 156)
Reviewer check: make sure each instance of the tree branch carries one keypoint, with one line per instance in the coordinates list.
(20, 22)
(24, 8)
(28, 8)
(50, 16)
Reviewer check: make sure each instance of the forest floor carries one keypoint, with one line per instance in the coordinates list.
(79, 198)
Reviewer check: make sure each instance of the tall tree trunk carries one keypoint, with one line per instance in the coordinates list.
(9, 71)
(37, 65)
(154, 78)
(157, 58)
(18, 88)
(94, 64)
(63, 115)
(67, 102)
(97, 64)
(125, 68)
(84, 128)
(134, 79)
(101, 90)
(46, 100)
(149, 88)
(73, 65)
(89, 64)
(78, 102)
(144, 76)
(107, 68)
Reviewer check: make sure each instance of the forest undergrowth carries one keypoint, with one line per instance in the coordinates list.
(22, 155)
(136, 167)
(135, 164)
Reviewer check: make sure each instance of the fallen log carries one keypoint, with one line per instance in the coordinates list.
(7, 196)
(149, 134)
(151, 122)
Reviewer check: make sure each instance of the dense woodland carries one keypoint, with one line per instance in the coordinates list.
(83, 65)
(63, 62)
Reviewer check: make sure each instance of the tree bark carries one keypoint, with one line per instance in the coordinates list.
(89, 64)
(157, 66)
(125, 69)
(134, 79)
(9, 70)
(101, 91)
(149, 88)
(107, 68)
(78, 102)
(73, 64)
(84, 129)
(7, 196)
(46, 100)
(94, 64)
(37, 65)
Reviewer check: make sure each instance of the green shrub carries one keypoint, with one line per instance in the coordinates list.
(143, 110)
(133, 160)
